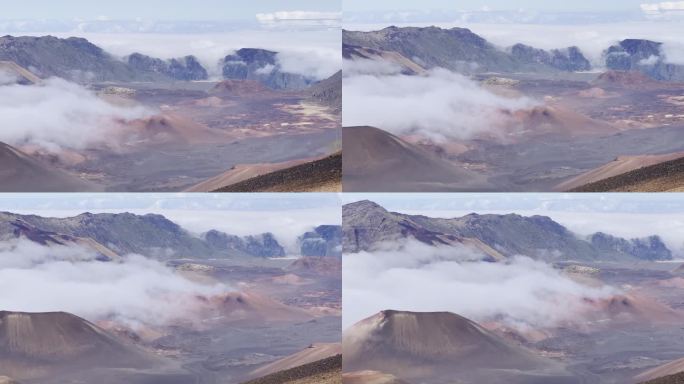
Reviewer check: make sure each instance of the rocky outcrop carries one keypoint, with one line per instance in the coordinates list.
(262, 65)
(185, 68)
(263, 245)
(648, 248)
(324, 240)
(645, 56)
(569, 59)
(329, 92)
(73, 58)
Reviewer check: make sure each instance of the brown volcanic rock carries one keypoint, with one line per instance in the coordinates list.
(670, 373)
(41, 344)
(667, 176)
(20, 172)
(313, 353)
(243, 172)
(427, 346)
(619, 166)
(326, 371)
(322, 175)
(377, 161)
(677, 378)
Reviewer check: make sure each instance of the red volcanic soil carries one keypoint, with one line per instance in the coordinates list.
(318, 266)
(34, 345)
(633, 308)
(172, 129)
(558, 120)
(625, 79)
(240, 87)
(248, 308)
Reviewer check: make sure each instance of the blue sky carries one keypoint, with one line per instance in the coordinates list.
(540, 5)
(158, 9)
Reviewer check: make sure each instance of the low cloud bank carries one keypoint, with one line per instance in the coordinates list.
(58, 114)
(133, 290)
(315, 63)
(521, 293)
(440, 105)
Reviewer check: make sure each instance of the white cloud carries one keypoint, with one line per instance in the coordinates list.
(370, 67)
(133, 290)
(651, 60)
(438, 105)
(297, 15)
(59, 114)
(661, 8)
(673, 52)
(265, 70)
(316, 63)
(522, 292)
(7, 77)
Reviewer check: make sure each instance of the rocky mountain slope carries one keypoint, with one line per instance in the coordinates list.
(20, 172)
(73, 58)
(329, 92)
(79, 60)
(366, 225)
(321, 175)
(667, 176)
(461, 50)
(326, 371)
(377, 161)
(151, 235)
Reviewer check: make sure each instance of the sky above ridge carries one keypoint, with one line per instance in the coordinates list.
(158, 9)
